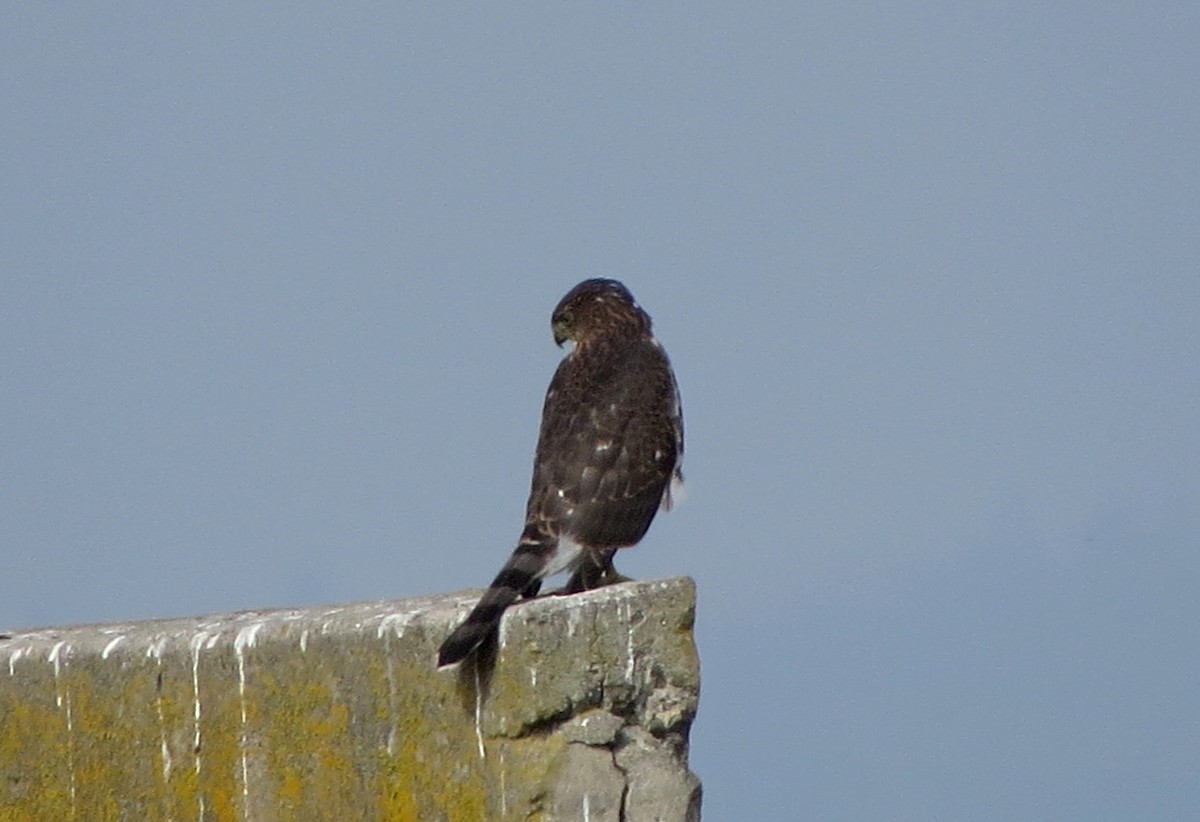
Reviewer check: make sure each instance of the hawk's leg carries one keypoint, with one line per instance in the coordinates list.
(595, 570)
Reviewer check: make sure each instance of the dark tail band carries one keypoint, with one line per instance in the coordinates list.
(520, 576)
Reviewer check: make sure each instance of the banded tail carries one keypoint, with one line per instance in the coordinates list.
(521, 576)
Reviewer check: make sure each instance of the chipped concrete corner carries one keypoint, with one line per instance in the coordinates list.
(340, 713)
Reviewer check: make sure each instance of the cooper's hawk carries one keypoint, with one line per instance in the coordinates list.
(610, 445)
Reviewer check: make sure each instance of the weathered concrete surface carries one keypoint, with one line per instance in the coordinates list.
(339, 713)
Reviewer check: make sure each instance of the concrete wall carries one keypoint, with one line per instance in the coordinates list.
(339, 713)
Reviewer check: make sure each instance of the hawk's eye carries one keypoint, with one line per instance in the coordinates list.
(566, 318)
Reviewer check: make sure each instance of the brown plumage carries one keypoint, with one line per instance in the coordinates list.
(610, 444)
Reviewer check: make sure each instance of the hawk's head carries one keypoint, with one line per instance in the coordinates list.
(598, 308)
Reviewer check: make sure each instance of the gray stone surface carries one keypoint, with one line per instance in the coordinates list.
(657, 789)
(593, 728)
(341, 713)
(588, 786)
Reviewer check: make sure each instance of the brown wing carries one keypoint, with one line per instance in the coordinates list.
(609, 444)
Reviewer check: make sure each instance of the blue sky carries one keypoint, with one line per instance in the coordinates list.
(274, 330)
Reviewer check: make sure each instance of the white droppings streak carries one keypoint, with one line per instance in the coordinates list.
(113, 643)
(503, 788)
(391, 624)
(154, 651)
(627, 616)
(572, 621)
(62, 697)
(587, 810)
(197, 642)
(53, 659)
(479, 714)
(396, 622)
(13, 657)
(245, 638)
(304, 641)
(391, 680)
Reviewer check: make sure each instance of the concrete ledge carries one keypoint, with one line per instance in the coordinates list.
(340, 713)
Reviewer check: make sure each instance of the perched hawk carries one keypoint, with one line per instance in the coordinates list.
(610, 445)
